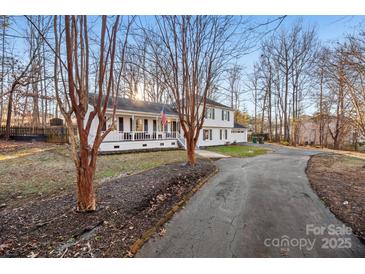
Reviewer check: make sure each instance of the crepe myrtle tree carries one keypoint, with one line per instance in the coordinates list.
(193, 52)
(84, 65)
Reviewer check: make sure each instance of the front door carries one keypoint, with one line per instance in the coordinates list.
(174, 126)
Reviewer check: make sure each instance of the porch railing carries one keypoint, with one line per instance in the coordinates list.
(117, 136)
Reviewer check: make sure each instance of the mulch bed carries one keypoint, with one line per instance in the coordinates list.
(127, 207)
(340, 183)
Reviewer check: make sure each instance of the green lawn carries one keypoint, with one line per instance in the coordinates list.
(238, 151)
(44, 171)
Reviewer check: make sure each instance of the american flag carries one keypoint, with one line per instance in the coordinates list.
(163, 117)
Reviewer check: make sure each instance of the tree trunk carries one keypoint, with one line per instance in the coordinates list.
(321, 116)
(10, 110)
(85, 193)
(190, 150)
(2, 74)
(85, 177)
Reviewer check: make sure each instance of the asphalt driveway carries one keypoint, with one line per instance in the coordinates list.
(256, 207)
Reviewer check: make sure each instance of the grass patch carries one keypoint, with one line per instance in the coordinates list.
(238, 151)
(42, 172)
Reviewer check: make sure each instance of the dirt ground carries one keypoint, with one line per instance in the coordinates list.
(13, 146)
(127, 207)
(340, 182)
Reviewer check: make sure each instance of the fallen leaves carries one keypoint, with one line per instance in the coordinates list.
(162, 232)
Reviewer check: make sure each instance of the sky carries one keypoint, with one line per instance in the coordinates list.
(329, 30)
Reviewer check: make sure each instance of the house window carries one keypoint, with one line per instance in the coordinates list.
(210, 113)
(207, 134)
(121, 124)
(220, 134)
(225, 134)
(139, 125)
(225, 115)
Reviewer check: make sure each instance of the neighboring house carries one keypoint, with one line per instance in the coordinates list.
(139, 126)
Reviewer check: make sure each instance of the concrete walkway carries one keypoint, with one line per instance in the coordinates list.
(256, 207)
(210, 154)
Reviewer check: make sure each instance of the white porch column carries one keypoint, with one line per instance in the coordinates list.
(157, 126)
(133, 127)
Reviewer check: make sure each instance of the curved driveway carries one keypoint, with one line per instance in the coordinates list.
(256, 207)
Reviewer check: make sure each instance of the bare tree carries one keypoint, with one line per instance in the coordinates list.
(20, 77)
(354, 78)
(78, 77)
(76, 72)
(282, 72)
(4, 23)
(234, 85)
(191, 53)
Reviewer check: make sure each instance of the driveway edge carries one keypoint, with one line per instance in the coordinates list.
(136, 246)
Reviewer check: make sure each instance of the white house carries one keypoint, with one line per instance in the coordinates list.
(139, 127)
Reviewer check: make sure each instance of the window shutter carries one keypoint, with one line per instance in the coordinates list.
(213, 113)
(228, 114)
(222, 115)
(210, 134)
(220, 134)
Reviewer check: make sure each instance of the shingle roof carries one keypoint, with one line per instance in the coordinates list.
(137, 105)
(214, 103)
(144, 106)
(237, 125)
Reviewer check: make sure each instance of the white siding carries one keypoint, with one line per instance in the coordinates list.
(217, 121)
(135, 145)
(216, 141)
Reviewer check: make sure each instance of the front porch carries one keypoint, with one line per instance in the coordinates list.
(142, 132)
(119, 136)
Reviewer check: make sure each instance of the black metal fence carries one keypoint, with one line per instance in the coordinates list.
(48, 134)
